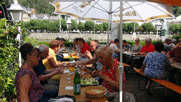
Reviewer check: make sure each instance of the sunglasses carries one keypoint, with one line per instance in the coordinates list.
(92, 45)
(137, 41)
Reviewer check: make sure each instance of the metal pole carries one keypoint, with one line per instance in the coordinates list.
(60, 25)
(110, 13)
(121, 64)
(134, 26)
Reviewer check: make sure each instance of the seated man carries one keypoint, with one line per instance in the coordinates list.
(173, 43)
(94, 44)
(149, 47)
(51, 62)
(44, 74)
(126, 46)
(167, 46)
(115, 49)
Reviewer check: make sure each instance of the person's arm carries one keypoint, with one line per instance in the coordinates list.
(24, 87)
(49, 71)
(171, 53)
(117, 50)
(90, 61)
(52, 61)
(143, 68)
(47, 76)
(88, 54)
(113, 83)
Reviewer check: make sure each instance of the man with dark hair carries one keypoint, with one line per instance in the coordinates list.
(62, 41)
(44, 74)
(92, 60)
(126, 46)
(167, 46)
(115, 49)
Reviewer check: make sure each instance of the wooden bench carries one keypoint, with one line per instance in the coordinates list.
(164, 83)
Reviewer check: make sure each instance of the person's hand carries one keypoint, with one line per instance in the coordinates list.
(138, 52)
(58, 70)
(126, 49)
(94, 73)
(99, 74)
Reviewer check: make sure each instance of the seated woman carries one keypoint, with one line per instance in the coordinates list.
(155, 64)
(27, 83)
(137, 47)
(84, 48)
(110, 72)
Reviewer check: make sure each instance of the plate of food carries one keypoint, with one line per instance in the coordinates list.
(89, 82)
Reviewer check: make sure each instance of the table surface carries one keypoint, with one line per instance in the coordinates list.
(134, 54)
(175, 64)
(82, 97)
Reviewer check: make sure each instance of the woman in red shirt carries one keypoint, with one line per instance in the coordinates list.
(110, 72)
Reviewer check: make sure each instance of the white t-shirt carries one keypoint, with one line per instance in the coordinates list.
(114, 48)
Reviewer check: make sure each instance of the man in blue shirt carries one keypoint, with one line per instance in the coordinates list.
(44, 74)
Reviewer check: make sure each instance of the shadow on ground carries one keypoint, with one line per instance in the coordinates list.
(158, 92)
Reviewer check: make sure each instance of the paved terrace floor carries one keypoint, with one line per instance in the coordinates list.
(158, 94)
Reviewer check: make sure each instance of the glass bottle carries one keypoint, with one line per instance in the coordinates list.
(77, 86)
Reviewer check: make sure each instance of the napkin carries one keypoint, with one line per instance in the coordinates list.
(65, 100)
(69, 88)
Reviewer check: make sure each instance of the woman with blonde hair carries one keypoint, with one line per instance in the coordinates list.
(110, 72)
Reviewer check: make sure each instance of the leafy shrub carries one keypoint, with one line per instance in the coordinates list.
(8, 59)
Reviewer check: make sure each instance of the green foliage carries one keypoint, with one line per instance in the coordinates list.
(105, 26)
(174, 28)
(176, 11)
(8, 58)
(63, 25)
(147, 27)
(99, 27)
(74, 25)
(89, 26)
(41, 6)
(46, 43)
(31, 40)
(177, 37)
(130, 27)
(80, 26)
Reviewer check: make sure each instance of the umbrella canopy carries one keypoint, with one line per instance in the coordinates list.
(141, 11)
(177, 20)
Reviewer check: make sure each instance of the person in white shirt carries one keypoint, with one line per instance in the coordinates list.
(115, 49)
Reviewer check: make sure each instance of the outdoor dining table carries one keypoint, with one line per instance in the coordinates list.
(134, 56)
(66, 88)
(175, 64)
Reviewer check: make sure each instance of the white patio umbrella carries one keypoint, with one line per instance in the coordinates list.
(109, 10)
(177, 20)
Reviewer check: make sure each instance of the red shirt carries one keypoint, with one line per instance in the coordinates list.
(84, 48)
(110, 74)
(149, 48)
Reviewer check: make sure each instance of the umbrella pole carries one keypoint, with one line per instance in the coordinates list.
(108, 31)
(121, 64)
(110, 14)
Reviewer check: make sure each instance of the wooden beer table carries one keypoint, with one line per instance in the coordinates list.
(82, 97)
